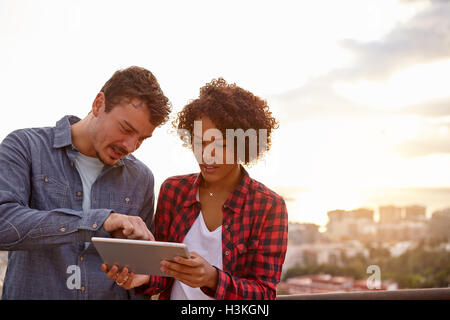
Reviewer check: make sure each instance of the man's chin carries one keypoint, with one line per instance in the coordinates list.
(107, 160)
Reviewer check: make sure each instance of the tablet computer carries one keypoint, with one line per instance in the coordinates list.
(141, 257)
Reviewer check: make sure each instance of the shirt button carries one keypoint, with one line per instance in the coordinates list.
(227, 253)
(45, 179)
(225, 206)
(79, 193)
(62, 229)
(95, 225)
(127, 199)
(226, 226)
(81, 259)
(71, 163)
(83, 288)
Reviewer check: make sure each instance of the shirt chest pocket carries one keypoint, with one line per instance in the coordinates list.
(245, 255)
(48, 193)
(124, 203)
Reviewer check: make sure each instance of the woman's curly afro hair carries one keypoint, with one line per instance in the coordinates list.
(229, 107)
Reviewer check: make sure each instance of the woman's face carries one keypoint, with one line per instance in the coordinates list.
(216, 161)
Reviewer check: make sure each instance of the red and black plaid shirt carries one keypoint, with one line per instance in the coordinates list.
(254, 236)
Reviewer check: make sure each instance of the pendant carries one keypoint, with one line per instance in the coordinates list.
(211, 194)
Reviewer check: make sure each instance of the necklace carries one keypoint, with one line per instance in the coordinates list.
(211, 194)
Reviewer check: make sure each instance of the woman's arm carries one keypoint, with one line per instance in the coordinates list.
(260, 280)
(257, 282)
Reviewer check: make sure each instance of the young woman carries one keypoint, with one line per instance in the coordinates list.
(234, 226)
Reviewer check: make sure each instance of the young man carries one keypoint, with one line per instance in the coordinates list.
(62, 185)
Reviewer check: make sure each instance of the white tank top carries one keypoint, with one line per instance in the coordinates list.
(207, 244)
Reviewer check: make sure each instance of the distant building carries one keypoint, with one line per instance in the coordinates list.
(389, 214)
(439, 225)
(362, 213)
(323, 253)
(415, 213)
(300, 233)
(323, 283)
(348, 225)
(403, 230)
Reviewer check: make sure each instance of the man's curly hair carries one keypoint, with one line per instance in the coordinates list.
(229, 107)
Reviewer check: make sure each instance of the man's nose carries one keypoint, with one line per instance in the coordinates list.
(131, 145)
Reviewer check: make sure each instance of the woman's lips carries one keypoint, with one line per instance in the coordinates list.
(209, 169)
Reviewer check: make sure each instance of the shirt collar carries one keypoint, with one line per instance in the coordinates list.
(63, 135)
(235, 200)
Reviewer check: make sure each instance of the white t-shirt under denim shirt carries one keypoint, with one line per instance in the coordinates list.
(89, 169)
(207, 244)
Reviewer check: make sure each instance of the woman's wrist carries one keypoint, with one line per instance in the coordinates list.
(214, 278)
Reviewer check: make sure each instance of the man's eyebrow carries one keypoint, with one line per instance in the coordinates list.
(134, 129)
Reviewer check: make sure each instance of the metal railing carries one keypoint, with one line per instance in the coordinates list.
(402, 294)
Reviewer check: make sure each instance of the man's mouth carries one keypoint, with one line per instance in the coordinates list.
(117, 152)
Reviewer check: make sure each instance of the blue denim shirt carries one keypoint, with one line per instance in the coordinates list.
(43, 225)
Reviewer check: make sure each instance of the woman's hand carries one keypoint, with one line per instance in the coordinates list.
(125, 279)
(195, 272)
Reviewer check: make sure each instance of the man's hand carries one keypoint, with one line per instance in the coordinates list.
(125, 279)
(127, 227)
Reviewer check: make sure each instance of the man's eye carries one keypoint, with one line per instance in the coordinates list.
(126, 130)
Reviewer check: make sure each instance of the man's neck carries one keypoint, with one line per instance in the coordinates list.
(81, 138)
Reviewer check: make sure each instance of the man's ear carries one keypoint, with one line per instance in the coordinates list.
(99, 104)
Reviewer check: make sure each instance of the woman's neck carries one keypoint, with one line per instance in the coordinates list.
(228, 183)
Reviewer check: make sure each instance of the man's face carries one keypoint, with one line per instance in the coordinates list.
(120, 131)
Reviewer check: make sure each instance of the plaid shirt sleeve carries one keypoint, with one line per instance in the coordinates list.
(258, 267)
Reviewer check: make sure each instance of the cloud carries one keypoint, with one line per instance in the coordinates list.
(424, 147)
(433, 109)
(423, 38)
(316, 99)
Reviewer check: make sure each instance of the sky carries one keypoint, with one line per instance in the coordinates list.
(360, 88)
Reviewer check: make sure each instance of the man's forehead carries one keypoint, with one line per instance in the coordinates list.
(136, 115)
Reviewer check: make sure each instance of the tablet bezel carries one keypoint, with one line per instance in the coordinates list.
(140, 256)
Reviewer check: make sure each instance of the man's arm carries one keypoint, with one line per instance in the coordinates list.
(24, 228)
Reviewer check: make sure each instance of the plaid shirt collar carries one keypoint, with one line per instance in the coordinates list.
(235, 200)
